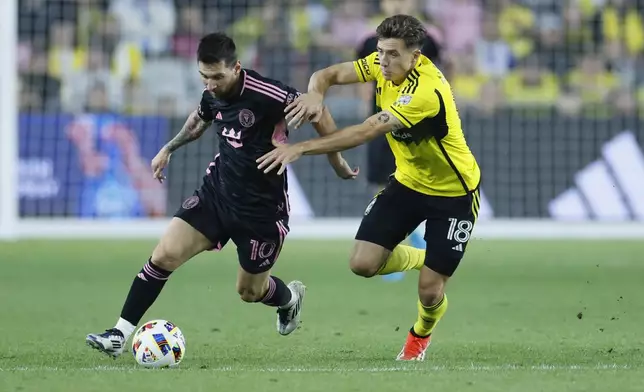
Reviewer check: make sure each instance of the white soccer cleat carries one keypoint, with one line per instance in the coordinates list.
(289, 319)
(110, 342)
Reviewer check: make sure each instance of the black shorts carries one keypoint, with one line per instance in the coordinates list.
(258, 241)
(397, 210)
(380, 161)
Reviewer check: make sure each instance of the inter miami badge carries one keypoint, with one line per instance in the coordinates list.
(190, 202)
(246, 118)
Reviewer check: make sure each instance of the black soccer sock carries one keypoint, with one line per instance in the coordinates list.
(144, 291)
(278, 293)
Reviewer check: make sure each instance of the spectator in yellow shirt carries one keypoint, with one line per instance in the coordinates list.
(517, 24)
(620, 29)
(531, 85)
(592, 86)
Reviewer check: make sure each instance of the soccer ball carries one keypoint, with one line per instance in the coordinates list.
(158, 344)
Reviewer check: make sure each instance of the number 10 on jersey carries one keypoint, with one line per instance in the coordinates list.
(262, 249)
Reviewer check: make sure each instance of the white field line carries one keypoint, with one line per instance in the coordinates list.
(392, 369)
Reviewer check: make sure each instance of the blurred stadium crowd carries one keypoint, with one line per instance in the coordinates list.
(578, 57)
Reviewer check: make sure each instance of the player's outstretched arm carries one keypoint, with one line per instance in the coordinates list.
(308, 107)
(336, 74)
(326, 126)
(355, 135)
(194, 127)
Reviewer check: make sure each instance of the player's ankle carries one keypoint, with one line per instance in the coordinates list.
(126, 327)
(291, 302)
(419, 335)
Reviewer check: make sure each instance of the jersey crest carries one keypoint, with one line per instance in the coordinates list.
(246, 118)
(403, 100)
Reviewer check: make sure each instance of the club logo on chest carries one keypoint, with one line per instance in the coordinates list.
(246, 118)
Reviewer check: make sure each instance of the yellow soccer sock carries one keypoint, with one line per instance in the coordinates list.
(403, 258)
(428, 317)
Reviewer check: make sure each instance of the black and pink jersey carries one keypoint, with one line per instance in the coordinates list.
(246, 124)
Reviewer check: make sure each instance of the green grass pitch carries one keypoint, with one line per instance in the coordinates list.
(523, 316)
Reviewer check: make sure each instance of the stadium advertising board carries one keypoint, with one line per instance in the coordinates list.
(556, 167)
(90, 166)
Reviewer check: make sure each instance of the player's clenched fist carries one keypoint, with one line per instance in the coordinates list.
(159, 162)
(306, 107)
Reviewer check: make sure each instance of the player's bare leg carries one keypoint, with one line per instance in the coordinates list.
(432, 304)
(252, 287)
(369, 259)
(271, 291)
(179, 244)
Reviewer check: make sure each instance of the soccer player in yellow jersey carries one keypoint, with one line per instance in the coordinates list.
(436, 179)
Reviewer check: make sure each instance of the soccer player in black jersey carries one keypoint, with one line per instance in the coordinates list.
(236, 201)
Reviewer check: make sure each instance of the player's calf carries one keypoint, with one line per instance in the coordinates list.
(249, 294)
(431, 287)
(258, 292)
(252, 287)
(367, 258)
(180, 243)
(271, 291)
(432, 305)
(432, 301)
(264, 288)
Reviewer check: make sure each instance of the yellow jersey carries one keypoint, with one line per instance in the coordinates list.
(432, 156)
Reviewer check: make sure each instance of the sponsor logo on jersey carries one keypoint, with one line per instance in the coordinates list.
(401, 135)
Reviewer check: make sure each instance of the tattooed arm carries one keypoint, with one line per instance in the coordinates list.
(344, 139)
(192, 130)
(194, 127)
(353, 136)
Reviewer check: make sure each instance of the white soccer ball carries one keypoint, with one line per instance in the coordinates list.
(158, 344)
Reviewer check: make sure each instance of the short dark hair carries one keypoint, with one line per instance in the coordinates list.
(404, 27)
(216, 47)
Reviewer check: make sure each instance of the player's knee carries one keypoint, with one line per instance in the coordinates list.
(249, 294)
(430, 298)
(430, 293)
(167, 257)
(365, 267)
